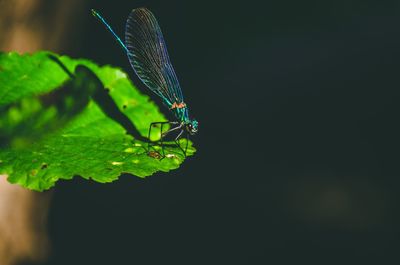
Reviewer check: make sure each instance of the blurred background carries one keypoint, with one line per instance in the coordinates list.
(298, 146)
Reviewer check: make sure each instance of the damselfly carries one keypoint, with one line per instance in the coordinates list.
(147, 53)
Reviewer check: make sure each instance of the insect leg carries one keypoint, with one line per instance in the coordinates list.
(149, 134)
(161, 140)
(179, 135)
(171, 130)
(159, 122)
(163, 134)
(178, 144)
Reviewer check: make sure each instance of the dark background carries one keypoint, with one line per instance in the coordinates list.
(297, 159)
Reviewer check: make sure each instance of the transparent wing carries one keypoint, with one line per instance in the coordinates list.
(149, 57)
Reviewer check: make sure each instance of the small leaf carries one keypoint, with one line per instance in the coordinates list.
(62, 117)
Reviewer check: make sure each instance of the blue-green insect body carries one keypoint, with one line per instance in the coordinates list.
(147, 53)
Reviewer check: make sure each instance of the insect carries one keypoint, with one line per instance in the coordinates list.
(148, 56)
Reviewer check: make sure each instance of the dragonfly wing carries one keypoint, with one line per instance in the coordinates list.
(148, 55)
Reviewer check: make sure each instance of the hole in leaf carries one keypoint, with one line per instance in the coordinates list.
(154, 154)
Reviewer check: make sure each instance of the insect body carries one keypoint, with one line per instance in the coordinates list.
(147, 53)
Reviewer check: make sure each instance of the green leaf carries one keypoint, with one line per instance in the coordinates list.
(63, 117)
